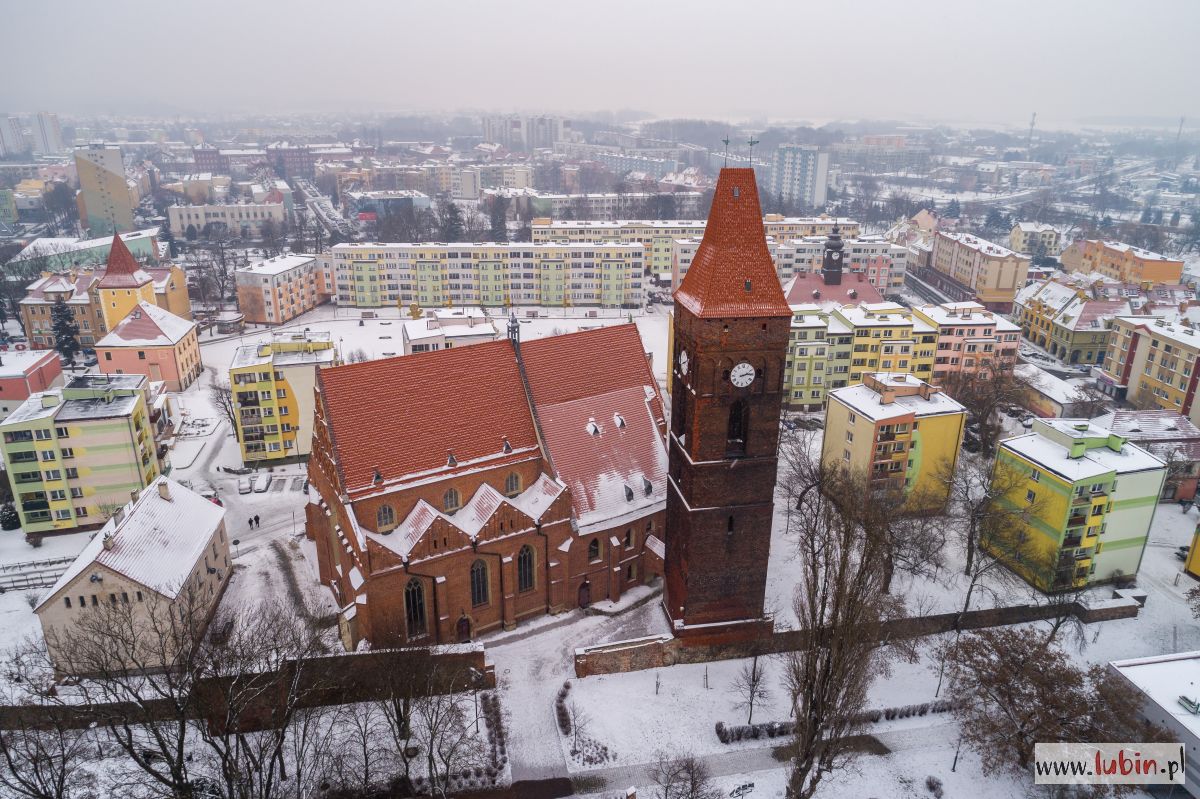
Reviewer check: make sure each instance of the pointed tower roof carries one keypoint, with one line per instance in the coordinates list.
(732, 274)
(123, 271)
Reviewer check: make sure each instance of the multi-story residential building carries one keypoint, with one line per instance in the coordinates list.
(8, 209)
(152, 342)
(1124, 262)
(1089, 497)
(610, 275)
(658, 236)
(800, 174)
(601, 206)
(146, 560)
(970, 338)
(1151, 363)
(1066, 320)
(384, 202)
(279, 289)
(47, 134)
(518, 132)
(1033, 238)
(105, 200)
(1170, 437)
(968, 268)
(26, 372)
(442, 329)
(73, 454)
(240, 219)
(12, 136)
(272, 385)
(897, 431)
(882, 263)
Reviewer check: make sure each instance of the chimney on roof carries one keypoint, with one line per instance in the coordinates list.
(134, 494)
(164, 490)
(108, 540)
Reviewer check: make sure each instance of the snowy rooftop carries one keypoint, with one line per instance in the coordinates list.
(957, 313)
(1160, 328)
(1035, 227)
(57, 246)
(1149, 425)
(149, 544)
(102, 381)
(1164, 679)
(1120, 246)
(259, 354)
(15, 363)
(869, 403)
(1096, 461)
(981, 245)
(78, 410)
(147, 325)
(276, 265)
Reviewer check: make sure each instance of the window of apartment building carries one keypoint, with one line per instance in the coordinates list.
(48, 456)
(1035, 476)
(1030, 496)
(62, 432)
(62, 515)
(41, 435)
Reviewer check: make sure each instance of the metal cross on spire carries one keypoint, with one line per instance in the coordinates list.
(726, 142)
(753, 141)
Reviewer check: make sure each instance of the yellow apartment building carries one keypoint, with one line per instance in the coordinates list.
(1127, 263)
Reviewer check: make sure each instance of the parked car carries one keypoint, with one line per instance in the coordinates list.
(245, 486)
(211, 495)
(261, 483)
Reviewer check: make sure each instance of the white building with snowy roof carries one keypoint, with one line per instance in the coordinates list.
(162, 558)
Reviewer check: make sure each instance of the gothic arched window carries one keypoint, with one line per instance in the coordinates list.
(385, 518)
(450, 500)
(525, 569)
(512, 484)
(479, 583)
(414, 607)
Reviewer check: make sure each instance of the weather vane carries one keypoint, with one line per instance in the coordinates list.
(753, 141)
(726, 141)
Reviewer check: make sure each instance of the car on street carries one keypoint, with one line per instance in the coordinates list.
(245, 486)
(262, 482)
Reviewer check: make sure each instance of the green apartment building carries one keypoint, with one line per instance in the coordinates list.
(74, 454)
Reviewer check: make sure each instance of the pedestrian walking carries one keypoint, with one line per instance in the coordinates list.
(251, 522)
(256, 522)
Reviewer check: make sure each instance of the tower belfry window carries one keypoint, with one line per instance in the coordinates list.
(739, 423)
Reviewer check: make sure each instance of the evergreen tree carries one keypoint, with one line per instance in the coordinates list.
(952, 210)
(66, 330)
(9, 519)
(498, 216)
(190, 233)
(450, 224)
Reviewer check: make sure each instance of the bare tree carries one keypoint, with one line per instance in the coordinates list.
(1088, 402)
(42, 745)
(221, 394)
(444, 729)
(984, 393)
(750, 687)
(1014, 687)
(580, 723)
(682, 776)
(841, 605)
(359, 763)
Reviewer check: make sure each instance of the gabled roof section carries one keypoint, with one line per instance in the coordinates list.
(732, 275)
(147, 325)
(123, 271)
(587, 363)
(405, 416)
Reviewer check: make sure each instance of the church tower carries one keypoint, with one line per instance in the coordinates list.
(731, 332)
(831, 260)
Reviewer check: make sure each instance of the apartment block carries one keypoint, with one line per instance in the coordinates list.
(240, 219)
(152, 342)
(1034, 238)
(105, 199)
(968, 268)
(1151, 363)
(609, 275)
(273, 386)
(277, 290)
(800, 174)
(75, 453)
(900, 432)
(27, 372)
(970, 338)
(1089, 496)
(608, 206)
(658, 236)
(1124, 262)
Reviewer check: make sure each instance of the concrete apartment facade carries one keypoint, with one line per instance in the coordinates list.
(105, 201)
(277, 290)
(970, 338)
(1092, 496)
(1151, 363)
(609, 275)
(1129, 264)
(75, 453)
(240, 219)
(273, 386)
(27, 372)
(800, 174)
(968, 268)
(1034, 238)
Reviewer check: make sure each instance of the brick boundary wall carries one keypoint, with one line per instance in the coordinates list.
(324, 681)
(658, 651)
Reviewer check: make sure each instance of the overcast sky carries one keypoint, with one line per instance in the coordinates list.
(947, 60)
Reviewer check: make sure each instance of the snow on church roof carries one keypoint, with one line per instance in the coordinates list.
(151, 545)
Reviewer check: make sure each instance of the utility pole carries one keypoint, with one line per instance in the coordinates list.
(1029, 139)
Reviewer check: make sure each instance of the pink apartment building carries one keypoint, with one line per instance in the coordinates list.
(970, 336)
(25, 372)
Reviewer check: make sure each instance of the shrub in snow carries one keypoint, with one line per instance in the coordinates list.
(9, 518)
(934, 785)
(34, 541)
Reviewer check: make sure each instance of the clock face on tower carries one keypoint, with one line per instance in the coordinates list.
(741, 375)
(835, 255)
(683, 362)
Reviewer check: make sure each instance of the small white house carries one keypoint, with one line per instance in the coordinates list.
(166, 551)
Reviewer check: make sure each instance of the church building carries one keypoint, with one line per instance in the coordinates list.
(464, 490)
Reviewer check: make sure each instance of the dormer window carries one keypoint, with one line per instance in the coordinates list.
(647, 486)
(619, 420)
(451, 461)
(593, 429)
(628, 494)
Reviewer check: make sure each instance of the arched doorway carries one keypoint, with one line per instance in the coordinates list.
(585, 594)
(464, 630)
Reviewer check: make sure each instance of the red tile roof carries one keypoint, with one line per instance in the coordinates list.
(587, 363)
(123, 271)
(732, 274)
(801, 289)
(406, 415)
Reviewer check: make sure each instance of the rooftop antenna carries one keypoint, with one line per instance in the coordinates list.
(726, 142)
(753, 141)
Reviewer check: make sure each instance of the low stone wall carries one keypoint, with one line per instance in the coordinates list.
(663, 650)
